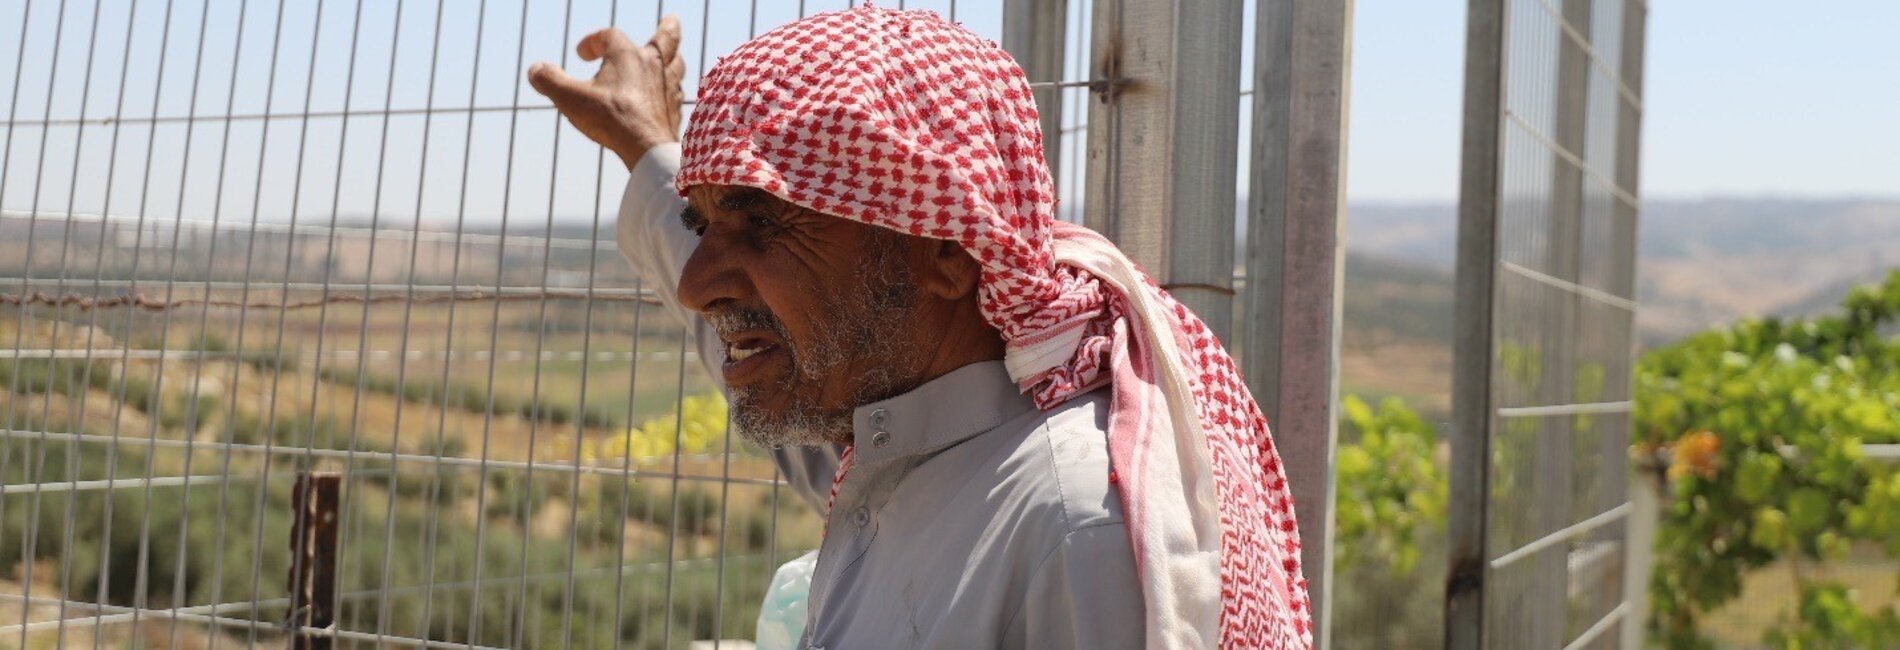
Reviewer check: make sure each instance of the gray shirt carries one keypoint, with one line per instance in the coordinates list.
(970, 518)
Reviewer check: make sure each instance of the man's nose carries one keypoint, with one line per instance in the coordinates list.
(713, 275)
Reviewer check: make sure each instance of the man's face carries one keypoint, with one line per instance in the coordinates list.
(811, 308)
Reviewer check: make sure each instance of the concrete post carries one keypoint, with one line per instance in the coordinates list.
(1296, 216)
(1161, 146)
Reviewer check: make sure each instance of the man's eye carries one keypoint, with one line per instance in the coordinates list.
(761, 221)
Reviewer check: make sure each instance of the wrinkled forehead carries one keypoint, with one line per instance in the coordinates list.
(713, 201)
(714, 197)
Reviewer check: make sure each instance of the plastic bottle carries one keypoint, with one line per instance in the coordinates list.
(782, 615)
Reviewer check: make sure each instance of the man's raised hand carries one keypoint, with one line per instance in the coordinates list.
(633, 103)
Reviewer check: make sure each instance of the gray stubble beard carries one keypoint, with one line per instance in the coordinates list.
(865, 323)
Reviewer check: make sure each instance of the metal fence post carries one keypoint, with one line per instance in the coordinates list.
(1472, 346)
(1034, 33)
(1546, 279)
(1302, 63)
(313, 501)
(1161, 144)
(1648, 490)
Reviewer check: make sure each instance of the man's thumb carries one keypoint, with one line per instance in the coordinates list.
(555, 84)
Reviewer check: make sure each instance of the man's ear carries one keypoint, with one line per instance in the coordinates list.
(949, 272)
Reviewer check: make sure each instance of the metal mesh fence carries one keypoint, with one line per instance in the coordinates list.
(488, 435)
(1550, 298)
(312, 328)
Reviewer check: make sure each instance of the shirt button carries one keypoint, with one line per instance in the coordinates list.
(879, 417)
(860, 517)
(881, 438)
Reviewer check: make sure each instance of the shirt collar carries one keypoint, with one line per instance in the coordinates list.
(944, 411)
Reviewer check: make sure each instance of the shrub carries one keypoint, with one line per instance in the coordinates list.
(698, 428)
(1765, 421)
(1389, 535)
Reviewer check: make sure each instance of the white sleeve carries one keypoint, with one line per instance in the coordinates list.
(651, 238)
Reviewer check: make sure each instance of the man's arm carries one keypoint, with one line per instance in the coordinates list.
(650, 237)
(632, 107)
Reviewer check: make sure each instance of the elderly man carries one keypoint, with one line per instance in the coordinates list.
(1042, 449)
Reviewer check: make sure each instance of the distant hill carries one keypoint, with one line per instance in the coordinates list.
(1701, 262)
(1708, 262)
(1397, 328)
(1423, 233)
(1393, 299)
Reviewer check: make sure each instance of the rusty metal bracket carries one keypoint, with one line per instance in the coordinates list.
(314, 504)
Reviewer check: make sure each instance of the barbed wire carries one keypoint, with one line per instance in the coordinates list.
(138, 300)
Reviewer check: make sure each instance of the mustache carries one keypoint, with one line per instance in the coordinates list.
(734, 320)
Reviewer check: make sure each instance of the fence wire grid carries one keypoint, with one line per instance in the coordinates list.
(1542, 530)
(249, 244)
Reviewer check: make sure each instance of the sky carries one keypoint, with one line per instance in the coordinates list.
(1773, 98)
(1743, 98)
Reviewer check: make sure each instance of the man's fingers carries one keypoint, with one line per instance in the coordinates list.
(675, 72)
(605, 42)
(589, 47)
(666, 39)
(556, 84)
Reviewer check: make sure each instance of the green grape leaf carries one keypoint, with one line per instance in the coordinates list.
(1808, 510)
(1768, 529)
(1755, 478)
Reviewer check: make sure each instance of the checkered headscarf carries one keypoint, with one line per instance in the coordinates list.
(909, 122)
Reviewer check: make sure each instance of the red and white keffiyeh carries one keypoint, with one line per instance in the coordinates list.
(906, 121)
